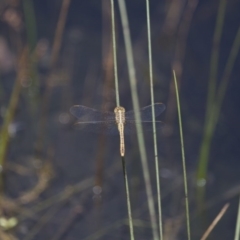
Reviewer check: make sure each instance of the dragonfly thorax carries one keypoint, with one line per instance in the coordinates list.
(119, 109)
(119, 114)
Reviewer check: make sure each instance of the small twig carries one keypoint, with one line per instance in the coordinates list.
(31, 195)
(59, 32)
(76, 211)
(46, 217)
(6, 236)
(13, 103)
(54, 56)
(214, 223)
(67, 193)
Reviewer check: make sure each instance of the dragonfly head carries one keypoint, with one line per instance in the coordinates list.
(119, 109)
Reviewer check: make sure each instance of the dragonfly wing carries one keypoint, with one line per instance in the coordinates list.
(86, 114)
(146, 112)
(98, 127)
(130, 126)
(92, 120)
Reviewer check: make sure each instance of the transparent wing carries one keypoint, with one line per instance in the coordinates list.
(86, 114)
(104, 127)
(92, 120)
(130, 126)
(146, 112)
(110, 128)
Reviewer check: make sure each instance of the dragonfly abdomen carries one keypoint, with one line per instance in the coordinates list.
(120, 120)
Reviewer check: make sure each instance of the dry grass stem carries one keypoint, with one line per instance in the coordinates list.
(214, 223)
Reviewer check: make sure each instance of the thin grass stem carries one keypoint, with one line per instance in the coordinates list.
(59, 32)
(30, 20)
(183, 158)
(228, 69)
(43, 221)
(208, 131)
(32, 70)
(57, 41)
(215, 56)
(214, 116)
(237, 231)
(128, 198)
(214, 223)
(216, 108)
(100, 234)
(135, 100)
(154, 123)
(10, 112)
(118, 104)
(115, 54)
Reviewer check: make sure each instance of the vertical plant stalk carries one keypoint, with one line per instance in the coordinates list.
(216, 107)
(128, 198)
(30, 21)
(237, 232)
(135, 100)
(54, 56)
(209, 122)
(4, 133)
(214, 112)
(115, 54)
(118, 104)
(107, 65)
(154, 123)
(183, 159)
(181, 26)
(215, 57)
(59, 32)
(31, 31)
(227, 72)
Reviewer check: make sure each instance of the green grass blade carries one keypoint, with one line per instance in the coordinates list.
(183, 159)
(210, 118)
(115, 54)
(9, 116)
(215, 112)
(118, 104)
(135, 100)
(237, 232)
(30, 21)
(31, 31)
(215, 56)
(128, 199)
(228, 69)
(154, 123)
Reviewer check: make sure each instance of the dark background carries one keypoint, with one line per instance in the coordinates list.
(60, 183)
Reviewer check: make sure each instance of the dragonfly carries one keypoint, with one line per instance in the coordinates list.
(118, 122)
